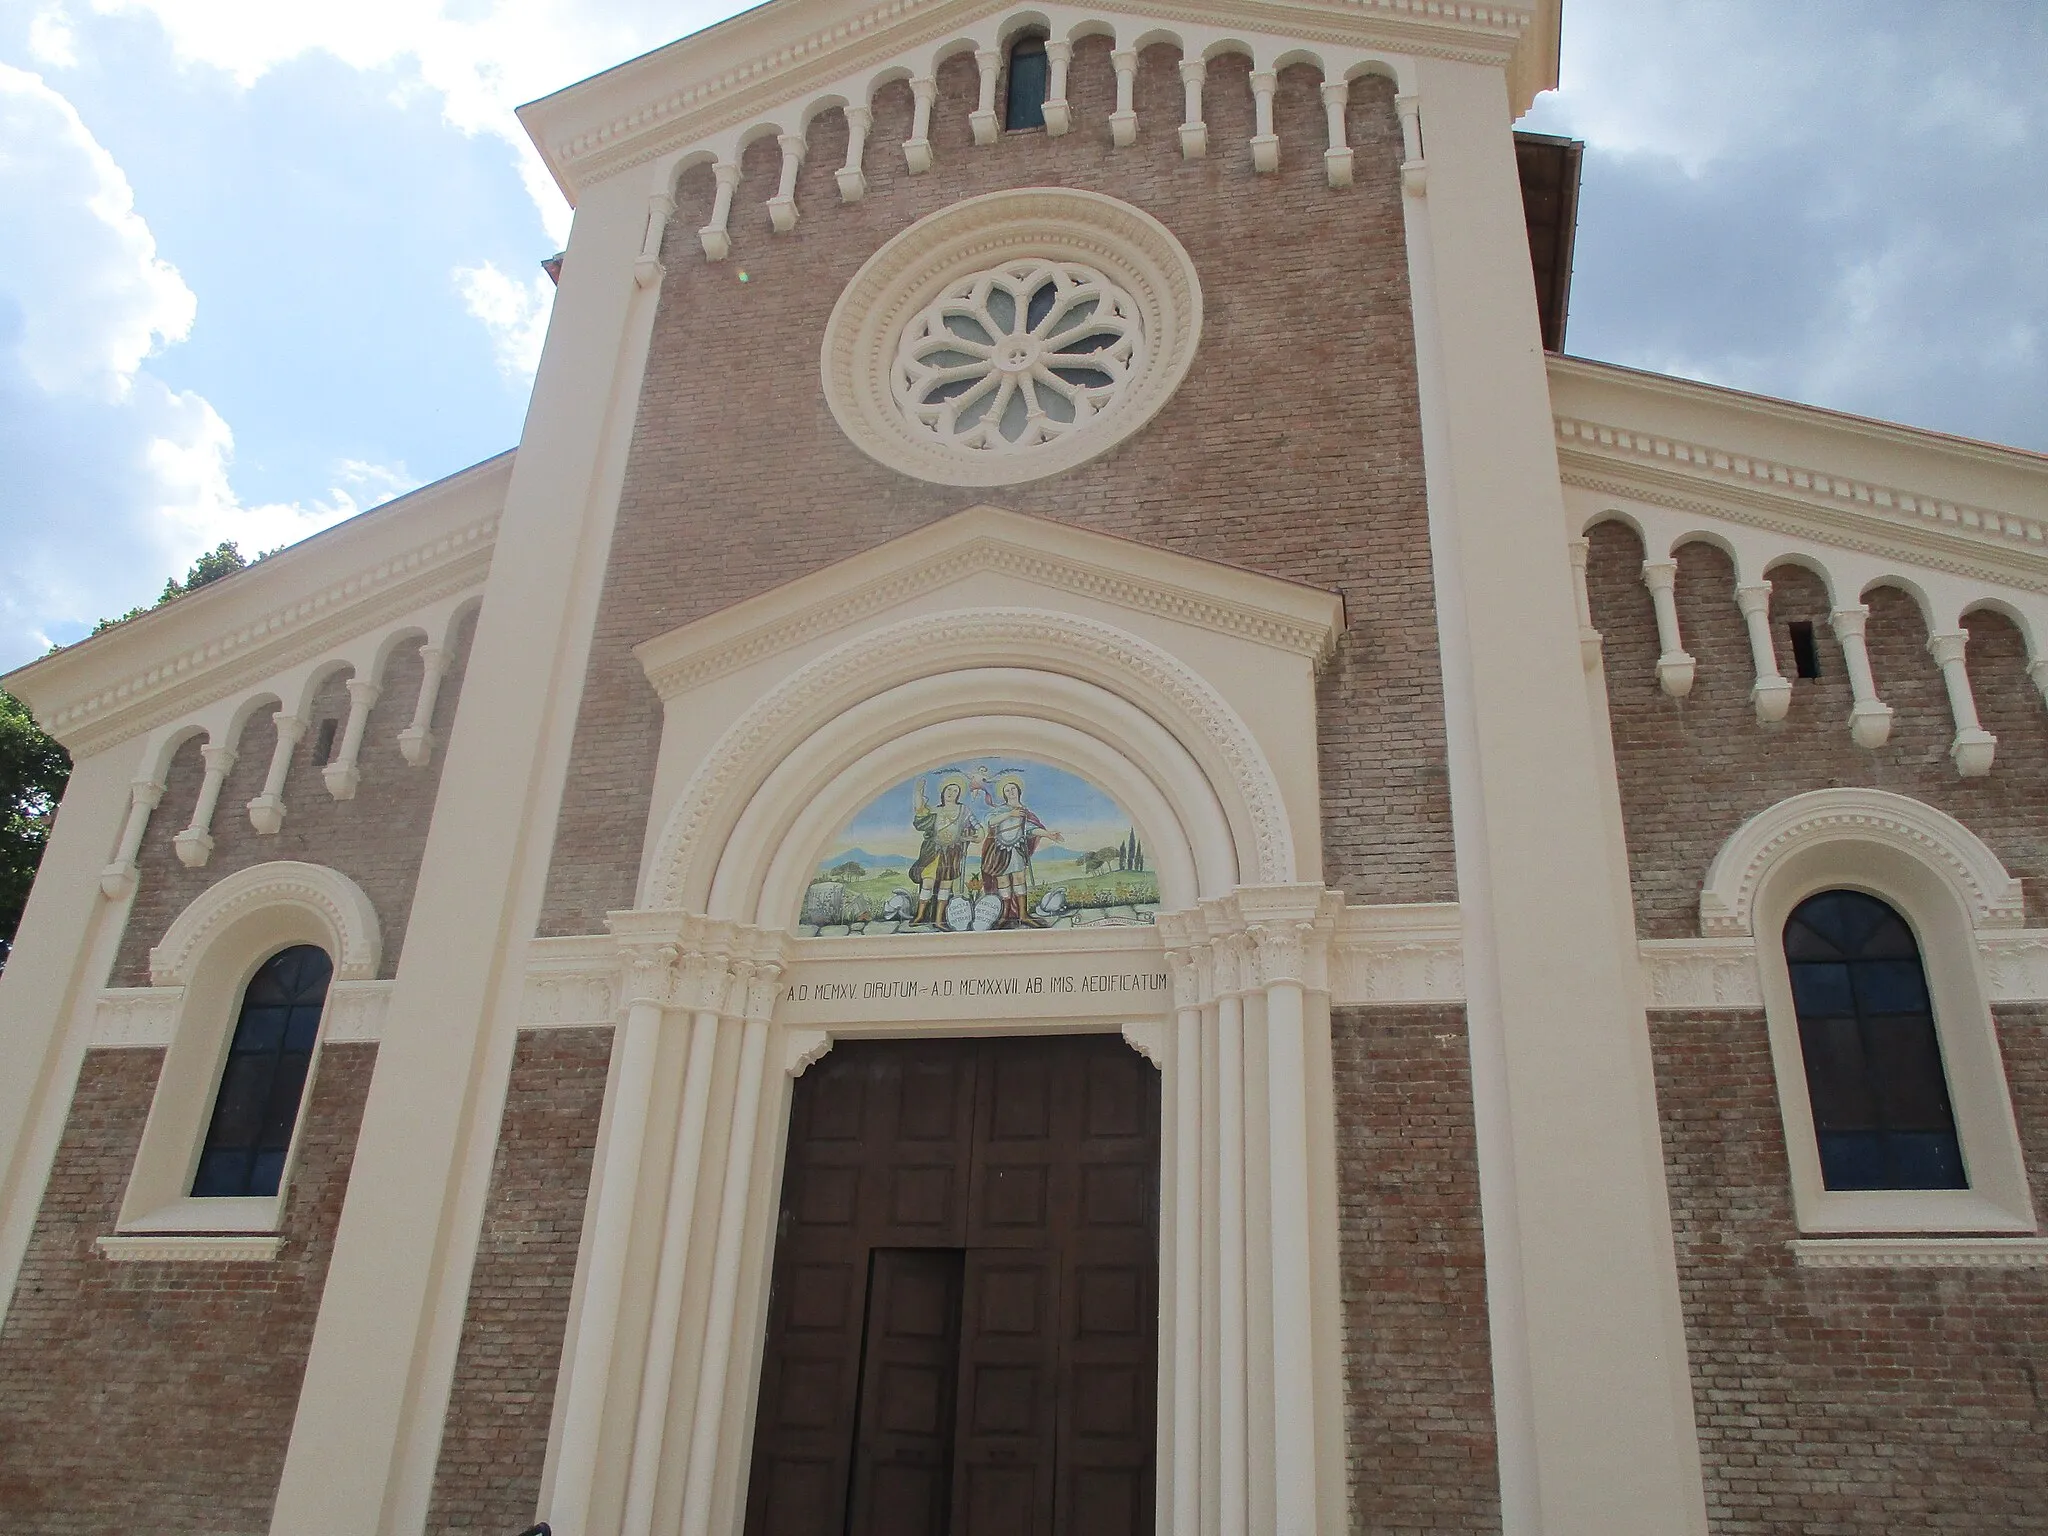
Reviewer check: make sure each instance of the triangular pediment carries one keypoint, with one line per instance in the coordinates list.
(1085, 566)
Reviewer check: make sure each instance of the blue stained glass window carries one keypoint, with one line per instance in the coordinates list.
(1030, 77)
(265, 1076)
(1881, 1108)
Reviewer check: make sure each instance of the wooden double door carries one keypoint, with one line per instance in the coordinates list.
(963, 1328)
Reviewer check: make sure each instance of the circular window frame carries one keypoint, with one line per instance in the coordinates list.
(897, 284)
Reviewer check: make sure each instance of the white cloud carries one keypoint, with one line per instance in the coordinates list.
(515, 313)
(51, 41)
(113, 480)
(94, 296)
(484, 57)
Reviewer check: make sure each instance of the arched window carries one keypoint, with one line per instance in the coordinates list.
(258, 1101)
(1881, 1109)
(1029, 78)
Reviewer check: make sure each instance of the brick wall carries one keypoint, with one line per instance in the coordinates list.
(154, 1396)
(739, 479)
(1845, 1401)
(1692, 770)
(376, 839)
(496, 1436)
(1418, 1370)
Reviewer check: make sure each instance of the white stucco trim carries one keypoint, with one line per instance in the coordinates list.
(330, 897)
(158, 1249)
(208, 955)
(1947, 885)
(1920, 1252)
(1867, 816)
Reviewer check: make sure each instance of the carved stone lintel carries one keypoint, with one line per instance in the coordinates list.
(1148, 1039)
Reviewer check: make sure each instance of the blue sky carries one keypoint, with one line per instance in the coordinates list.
(264, 263)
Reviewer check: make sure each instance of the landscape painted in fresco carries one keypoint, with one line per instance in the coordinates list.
(995, 843)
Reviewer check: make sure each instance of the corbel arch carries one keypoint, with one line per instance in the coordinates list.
(1156, 691)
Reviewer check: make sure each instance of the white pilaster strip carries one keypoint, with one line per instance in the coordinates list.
(647, 270)
(118, 878)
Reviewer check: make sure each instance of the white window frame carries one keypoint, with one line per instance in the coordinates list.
(1947, 885)
(208, 955)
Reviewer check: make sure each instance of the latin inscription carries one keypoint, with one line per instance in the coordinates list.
(919, 989)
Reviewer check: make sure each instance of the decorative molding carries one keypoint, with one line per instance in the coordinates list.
(1135, 254)
(126, 1018)
(1148, 1038)
(246, 655)
(329, 894)
(151, 1248)
(1700, 974)
(839, 56)
(1010, 544)
(1867, 815)
(2014, 965)
(355, 1012)
(856, 669)
(1920, 1252)
(802, 1049)
(570, 983)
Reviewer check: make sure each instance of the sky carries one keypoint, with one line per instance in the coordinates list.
(266, 263)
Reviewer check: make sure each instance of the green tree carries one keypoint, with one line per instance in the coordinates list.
(33, 769)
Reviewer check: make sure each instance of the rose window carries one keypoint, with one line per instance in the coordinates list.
(1020, 356)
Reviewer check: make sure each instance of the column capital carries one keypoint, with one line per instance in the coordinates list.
(1755, 599)
(1850, 620)
(219, 758)
(362, 692)
(1946, 646)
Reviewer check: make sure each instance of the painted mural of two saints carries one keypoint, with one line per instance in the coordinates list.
(970, 847)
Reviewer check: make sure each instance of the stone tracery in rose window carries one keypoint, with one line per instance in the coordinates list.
(1019, 356)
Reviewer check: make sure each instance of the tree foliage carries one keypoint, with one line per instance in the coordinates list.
(33, 769)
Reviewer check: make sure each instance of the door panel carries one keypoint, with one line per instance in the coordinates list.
(903, 1442)
(1011, 1388)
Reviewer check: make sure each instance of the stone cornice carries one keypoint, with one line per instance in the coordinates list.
(1302, 620)
(435, 543)
(758, 61)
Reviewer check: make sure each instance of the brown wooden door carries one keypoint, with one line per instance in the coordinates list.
(964, 1315)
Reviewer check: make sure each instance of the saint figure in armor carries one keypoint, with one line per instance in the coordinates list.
(1013, 835)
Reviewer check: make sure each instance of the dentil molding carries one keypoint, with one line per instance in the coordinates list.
(1920, 1252)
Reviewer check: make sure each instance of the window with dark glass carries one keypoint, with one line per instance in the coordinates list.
(1880, 1099)
(1029, 79)
(258, 1102)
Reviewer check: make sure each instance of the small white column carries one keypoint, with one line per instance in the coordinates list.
(1059, 113)
(416, 741)
(1414, 169)
(1771, 693)
(118, 878)
(195, 843)
(1123, 122)
(1973, 747)
(1337, 158)
(1589, 637)
(1186, 1332)
(342, 775)
(648, 270)
(715, 1360)
(1233, 1486)
(671, 1270)
(1870, 719)
(266, 811)
(853, 181)
(714, 236)
(782, 206)
(1265, 142)
(649, 968)
(917, 149)
(1194, 131)
(1674, 667)
(983, 118)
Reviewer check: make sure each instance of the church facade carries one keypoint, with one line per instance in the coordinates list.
(1078, 845)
